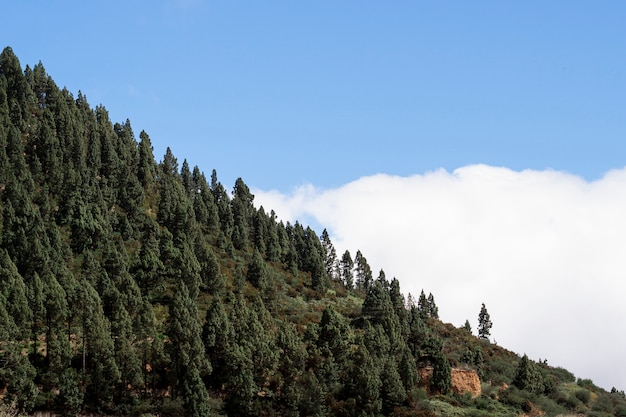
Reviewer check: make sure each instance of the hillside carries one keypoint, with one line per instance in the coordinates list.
(135, 287)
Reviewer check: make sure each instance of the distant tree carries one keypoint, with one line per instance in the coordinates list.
(474, 356)
(203, 202)
(467, 326)
(363, 388)
(441, 381)
(258, 272)
(210, 271)
(146, 169)
(528, 376)
(433, 310)
(330, 256)
(218, 335)
(15, 292)
(363, 272)
(333, 333)
(484, 323)
(417, 331)
(188, 353)
(291, 367)
(346, 266)
(70, 398)
(222, 201)
(423, 306)
(243, 214)
(393, 392)
(407, 368)
(410, 302)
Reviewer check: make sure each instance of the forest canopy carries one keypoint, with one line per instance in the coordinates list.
(135, 287)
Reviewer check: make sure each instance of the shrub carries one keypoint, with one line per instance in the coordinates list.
(583, 395)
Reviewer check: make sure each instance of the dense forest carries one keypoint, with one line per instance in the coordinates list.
(142, 288)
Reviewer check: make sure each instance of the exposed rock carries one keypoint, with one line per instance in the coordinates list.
(463, 380)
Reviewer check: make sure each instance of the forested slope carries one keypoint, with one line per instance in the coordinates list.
(135, 287)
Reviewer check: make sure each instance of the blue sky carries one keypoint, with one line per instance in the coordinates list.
(472, 149)
(324, 92)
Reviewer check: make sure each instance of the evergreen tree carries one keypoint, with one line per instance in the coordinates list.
(346, 266)
(102, 370)
(243, 213)
(16, 373)
(211, 277)
(363, 272)
(330, 256)
(418, 332)
(467, 326)
(433, 310)
(291, 367)
(393, 392)
(363, 388)
(484, 323)
(407, 368)
(57, 343)
(222, 202)
(14, 290)
(423, 307)
(257, 272)
(146, 167)
(203, 202)
(528, 376)
(441, 381)
(218, 336)
(188, 351)
(69, 401)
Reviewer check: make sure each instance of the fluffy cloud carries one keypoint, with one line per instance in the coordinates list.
(544, 250)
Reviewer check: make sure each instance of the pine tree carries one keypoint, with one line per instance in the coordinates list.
(102, 370)
(185, 333)
(484, 323)
(423, 307)
(218, 336)
(14, 290)
(441, 381)
(257, 272)
(433, 310)
(528, 376)
(363, 272)
(211, 277)
(393, 393)
(243, 214)
(330, 256)
(467, 326)
(203, 202)
(346, 266)
(363, 388)
(291, 367)
(407, 368)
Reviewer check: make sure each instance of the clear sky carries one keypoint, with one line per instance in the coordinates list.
(308, 101)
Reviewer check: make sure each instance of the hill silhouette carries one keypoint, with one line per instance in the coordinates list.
(135, 287)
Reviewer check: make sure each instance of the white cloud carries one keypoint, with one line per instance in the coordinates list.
(544, 250)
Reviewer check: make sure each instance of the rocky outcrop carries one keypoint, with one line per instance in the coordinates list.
(463, 380)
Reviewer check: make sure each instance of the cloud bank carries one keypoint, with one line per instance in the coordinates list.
(544, 250)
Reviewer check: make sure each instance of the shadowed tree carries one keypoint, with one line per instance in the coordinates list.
(528, 376)
(362, 389)
(187, 351)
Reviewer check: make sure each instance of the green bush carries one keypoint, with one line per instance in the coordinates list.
(583, 395)
(515, 398)
(563, 375)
